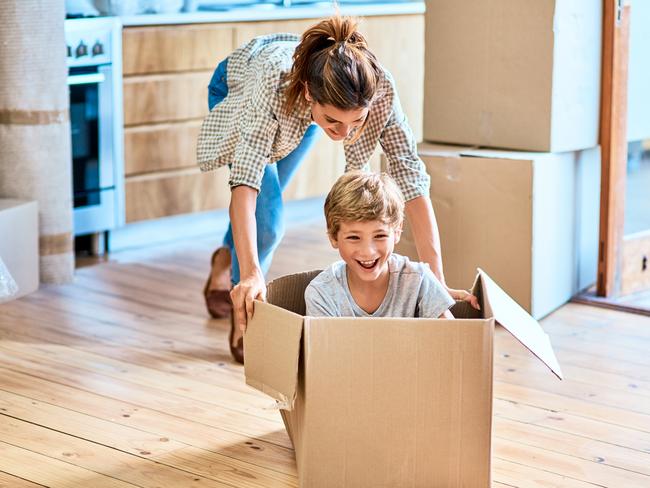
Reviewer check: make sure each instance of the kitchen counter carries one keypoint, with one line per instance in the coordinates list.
(270, 12)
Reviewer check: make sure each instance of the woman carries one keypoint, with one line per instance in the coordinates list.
(269, 101)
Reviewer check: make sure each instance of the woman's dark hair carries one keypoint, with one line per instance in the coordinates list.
(334, 62)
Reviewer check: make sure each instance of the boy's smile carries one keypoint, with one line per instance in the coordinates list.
(368, 264)
(365, 247)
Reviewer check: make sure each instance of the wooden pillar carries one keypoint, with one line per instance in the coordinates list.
(613, 142)
(35, 154)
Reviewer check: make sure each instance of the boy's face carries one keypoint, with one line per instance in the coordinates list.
(365, 247)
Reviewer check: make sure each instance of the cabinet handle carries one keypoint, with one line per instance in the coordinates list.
(86, 79)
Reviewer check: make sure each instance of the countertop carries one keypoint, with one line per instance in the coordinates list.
(248, 14)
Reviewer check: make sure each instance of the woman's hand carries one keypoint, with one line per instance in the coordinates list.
(250, 288)
(465, 296)
(251, 285)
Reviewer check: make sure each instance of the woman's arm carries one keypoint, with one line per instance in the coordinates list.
(425, 233)
(251, 285)
(258, 128)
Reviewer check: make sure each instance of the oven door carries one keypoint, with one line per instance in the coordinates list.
(93, 155)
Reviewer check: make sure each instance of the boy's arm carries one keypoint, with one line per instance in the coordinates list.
(433, 299)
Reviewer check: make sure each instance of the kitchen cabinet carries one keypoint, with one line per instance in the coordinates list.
(175, 48)
(166, 73)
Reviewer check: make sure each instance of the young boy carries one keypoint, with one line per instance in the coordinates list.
(364, 213)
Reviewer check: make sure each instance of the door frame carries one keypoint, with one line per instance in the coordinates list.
(623, 261)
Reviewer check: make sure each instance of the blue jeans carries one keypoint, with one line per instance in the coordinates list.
(269, 211)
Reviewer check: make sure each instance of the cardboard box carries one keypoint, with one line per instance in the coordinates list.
(516, 74)
(19, 243)
(529, 219)
(385, 402)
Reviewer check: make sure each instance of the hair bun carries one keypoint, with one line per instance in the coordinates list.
(334, 60)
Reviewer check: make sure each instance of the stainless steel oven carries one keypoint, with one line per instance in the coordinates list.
(95, 83)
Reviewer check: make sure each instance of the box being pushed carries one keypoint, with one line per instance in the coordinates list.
(385, 402)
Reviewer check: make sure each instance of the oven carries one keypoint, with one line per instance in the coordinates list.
(96, 120)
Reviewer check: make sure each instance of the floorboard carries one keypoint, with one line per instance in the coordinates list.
(120, 379)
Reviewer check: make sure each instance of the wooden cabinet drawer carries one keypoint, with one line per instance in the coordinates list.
(165, 98)
(175, 192)
(160, 147)
(163, 194)
(164, 49)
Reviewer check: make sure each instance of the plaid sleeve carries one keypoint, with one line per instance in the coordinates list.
(257, 129)
(399, 146)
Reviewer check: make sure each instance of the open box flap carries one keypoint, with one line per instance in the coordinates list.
(518, 322)
(272, 352)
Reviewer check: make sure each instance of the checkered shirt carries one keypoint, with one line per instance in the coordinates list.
(251, 128)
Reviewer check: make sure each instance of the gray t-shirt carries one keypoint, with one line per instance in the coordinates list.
(413, 291)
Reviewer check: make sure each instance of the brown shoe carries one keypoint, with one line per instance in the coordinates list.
(238, 350)
(218, 302)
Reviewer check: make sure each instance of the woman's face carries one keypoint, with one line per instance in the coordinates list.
(337, 123)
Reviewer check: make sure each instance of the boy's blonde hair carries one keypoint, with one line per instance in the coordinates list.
(361, 196)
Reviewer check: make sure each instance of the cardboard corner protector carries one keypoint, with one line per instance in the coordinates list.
(272, 352)
(518, 322)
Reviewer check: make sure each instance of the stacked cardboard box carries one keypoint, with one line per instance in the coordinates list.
(525, 74)
(528, 219)
(515, 74)
(522, 75)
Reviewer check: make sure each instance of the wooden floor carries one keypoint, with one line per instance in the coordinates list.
(120, 380)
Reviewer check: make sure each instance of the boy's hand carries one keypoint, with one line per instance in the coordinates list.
(465, 296)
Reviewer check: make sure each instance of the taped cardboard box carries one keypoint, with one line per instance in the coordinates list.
(530, 219)
(385, 402)
(19, 243)
(516, 74)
